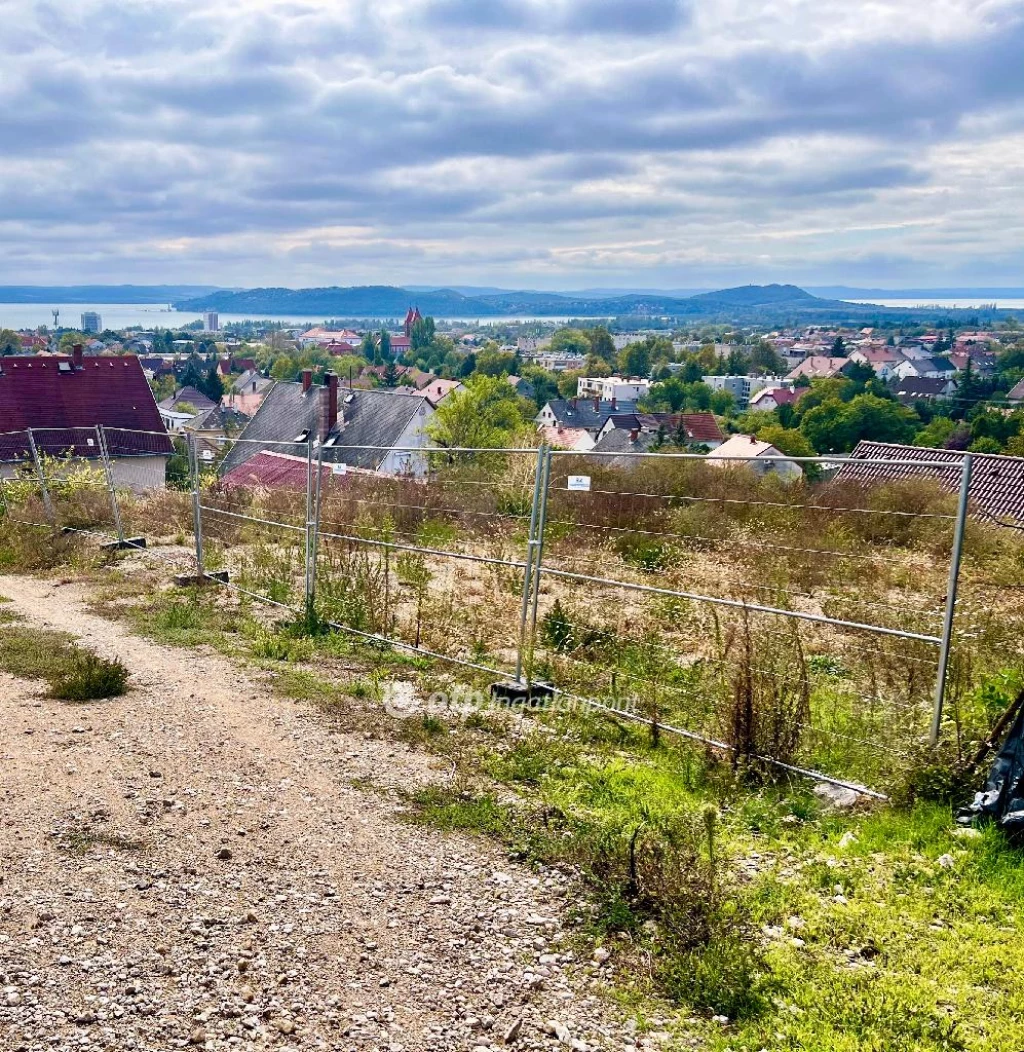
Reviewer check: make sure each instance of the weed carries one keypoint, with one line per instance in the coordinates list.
(89, 677)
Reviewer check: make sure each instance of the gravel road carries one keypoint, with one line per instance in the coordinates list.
(192, 865)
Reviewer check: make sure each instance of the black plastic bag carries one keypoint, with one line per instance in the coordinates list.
(1002, 799)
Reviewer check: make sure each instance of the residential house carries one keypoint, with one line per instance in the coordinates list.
(929, 367)
(698, 429)
(581, 413)
(247, 392)
(560, 363)
(1016, 394)
(71, 397)
(318, 336)
(742, 387)
(761, 457)
(378, 431)
(818, 367)
(607, 388)
(577, 438)
(523, 388)
(924, 389)
(997, 481)
(883, 360)
(184, 406)
(771, 398)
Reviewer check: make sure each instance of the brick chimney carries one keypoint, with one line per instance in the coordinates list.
(615, 403)
(77, 355)
(634, 434)
(307, 380)
(597, 404)
(329, 404)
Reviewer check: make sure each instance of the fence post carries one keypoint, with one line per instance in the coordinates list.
(542, 519)
(309, 525)
(110, 483)
(315, 546)
(531, 545)
(951, 590)
(47, 503)
(3, 497)
(197, 515)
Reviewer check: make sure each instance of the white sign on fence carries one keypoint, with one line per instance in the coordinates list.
(340, 469)
(579, 483)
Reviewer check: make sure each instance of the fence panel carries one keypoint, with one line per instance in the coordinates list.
(22, 499)
(793, 622)
(73, 479)
(433, 559)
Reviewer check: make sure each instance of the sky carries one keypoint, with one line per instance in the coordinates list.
(522, 143)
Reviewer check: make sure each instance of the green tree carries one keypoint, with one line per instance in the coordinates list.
(602, 345)
(570, 341)
(390, 375)
(483, 415)
(985, 445)
(213, 387)
(492, 361)
(838, 347)
(384, 345)
(69, 339)
(936, 434)
(10, 342)
(162, 387)
(636, 359)
(422, 334)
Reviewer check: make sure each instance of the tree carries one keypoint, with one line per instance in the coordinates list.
(836, 427)
(483, 415)
(838, 347)
(10, 342)
(636, 359)
(163, 387)
(384, 345)
(213, 387)
(422, 334)
(569, 341)
(390, 375)
(985, 445)
(492, 361)
(936, 434)
(601, 344)
(69, 339)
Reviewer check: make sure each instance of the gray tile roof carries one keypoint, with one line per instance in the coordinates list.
(584, 415)
(365, 418)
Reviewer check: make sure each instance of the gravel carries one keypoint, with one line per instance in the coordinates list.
(193, 866)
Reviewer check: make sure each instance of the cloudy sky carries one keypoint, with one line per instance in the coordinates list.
(524, 143)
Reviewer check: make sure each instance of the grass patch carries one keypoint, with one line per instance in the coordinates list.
(73, 673)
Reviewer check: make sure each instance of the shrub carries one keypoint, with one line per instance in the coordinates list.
(89, 677)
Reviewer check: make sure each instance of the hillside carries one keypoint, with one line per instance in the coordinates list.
(750, 304)
(101, 293)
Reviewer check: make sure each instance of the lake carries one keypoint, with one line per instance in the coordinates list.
(153, 315)
(964, 304)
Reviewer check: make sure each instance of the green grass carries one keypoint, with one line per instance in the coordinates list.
(73, 673)
(869, 941)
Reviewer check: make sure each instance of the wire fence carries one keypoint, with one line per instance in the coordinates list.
(803, 625)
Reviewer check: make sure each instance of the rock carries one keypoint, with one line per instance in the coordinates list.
(601, 954)
(285, 1026)
(560, 1030)
(155, 774)
(513, 1032)
(946, 861)
(197, 1037)
(224, 854)
(846, 840)
(836, 796)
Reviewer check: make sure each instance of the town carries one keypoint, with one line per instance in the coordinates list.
(732, 393)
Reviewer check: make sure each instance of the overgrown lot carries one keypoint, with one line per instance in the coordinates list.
(711, 885)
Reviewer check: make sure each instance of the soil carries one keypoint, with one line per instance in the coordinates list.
(197, 864)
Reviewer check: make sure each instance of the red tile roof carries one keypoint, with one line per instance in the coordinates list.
(997, 481)
(699, 427)
(269, 469)
(49, 392)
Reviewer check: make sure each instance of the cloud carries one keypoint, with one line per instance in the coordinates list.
(513, 141)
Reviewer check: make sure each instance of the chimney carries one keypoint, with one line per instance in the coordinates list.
(615, 403)
(76, 355)
(574, 401)
(329, 414)
(753, 440)
(634, 434)
(597, 404)
(307, 380)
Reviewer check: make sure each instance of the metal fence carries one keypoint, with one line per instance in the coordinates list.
(805, 627)
(81, 480)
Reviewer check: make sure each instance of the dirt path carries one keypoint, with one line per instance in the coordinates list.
(191, 865)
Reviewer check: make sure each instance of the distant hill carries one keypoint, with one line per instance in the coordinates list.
(749, 304)
(101, 293)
